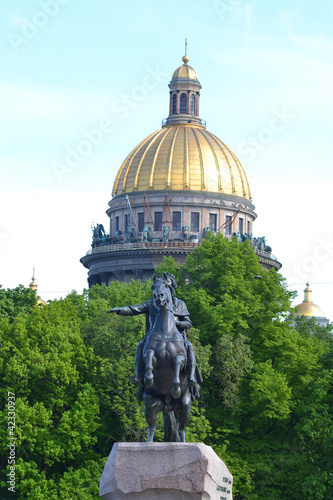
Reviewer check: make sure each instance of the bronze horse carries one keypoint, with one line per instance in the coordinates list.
(166, 383)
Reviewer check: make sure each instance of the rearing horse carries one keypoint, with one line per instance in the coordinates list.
(166, 386)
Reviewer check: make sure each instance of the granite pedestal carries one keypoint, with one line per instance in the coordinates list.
(165, 471)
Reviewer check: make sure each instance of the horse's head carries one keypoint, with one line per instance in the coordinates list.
(162, 291)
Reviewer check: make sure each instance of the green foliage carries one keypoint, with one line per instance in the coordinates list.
(114, 339)
(45, 363)
(16, 301)
(229, 289)
(266, 400)
(269, 395)
(168, 265)
(232, 357)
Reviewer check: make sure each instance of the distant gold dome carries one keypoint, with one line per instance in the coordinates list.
(182, 157)
(310, 309)
(33, 286)
(307, 307)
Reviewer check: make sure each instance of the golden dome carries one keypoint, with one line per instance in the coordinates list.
(33, 286)
(185, 71)
(307, 307)
(182, 157)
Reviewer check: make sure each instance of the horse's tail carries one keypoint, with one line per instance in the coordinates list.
(171, 434)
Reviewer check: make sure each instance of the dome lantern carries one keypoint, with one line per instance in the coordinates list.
(33, 284)
(33, 287)
(184, 95)
(307, 293)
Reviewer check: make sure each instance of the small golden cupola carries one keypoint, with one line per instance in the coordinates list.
(310, 310)
(33, 286)
(184, 95)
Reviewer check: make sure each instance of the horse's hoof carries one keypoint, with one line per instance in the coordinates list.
(176, 392)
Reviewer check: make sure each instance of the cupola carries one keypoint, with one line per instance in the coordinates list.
(310, 310)
(184, 95)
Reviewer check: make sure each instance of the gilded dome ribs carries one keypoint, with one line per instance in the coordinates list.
(207, 137)
(135, 150)
(186, 176)
(135, 187)
(123, 166)
(219, 143)
(182, 157)
(241, 173)
(202, 165)
(247, 182)
(151, 180)
(168, 183)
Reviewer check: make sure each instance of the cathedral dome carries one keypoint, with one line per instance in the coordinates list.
(310, 309)
(307, 307)
(177, 185)
(182, 157)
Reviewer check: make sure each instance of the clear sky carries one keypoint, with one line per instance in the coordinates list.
(70, 67)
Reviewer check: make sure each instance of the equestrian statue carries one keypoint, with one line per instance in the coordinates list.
(167, 375)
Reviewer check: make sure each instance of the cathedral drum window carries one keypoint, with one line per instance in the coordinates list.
(174, 104)
(213, 222)
(195, 217)
(141, 221)
(183, 103)
(158, 221)
(241, 225)
(192, 105)
(228, 225)
(177, 221)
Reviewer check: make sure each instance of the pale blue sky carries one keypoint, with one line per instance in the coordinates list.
(69, 66)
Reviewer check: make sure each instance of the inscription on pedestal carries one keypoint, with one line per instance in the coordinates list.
(225, 489)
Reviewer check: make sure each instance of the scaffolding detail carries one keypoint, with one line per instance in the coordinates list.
(131, 218)
(229, 223)
(148, 219)
(166, 215)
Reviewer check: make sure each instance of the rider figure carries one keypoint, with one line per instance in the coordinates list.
(183, 324)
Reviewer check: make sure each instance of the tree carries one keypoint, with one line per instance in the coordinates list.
(266, 400)
(50, 372)
(269, 390)
(16, 301)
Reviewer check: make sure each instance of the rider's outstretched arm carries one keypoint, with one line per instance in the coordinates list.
(130, 310)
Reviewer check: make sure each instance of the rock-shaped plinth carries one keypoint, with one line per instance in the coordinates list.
(165, 471)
